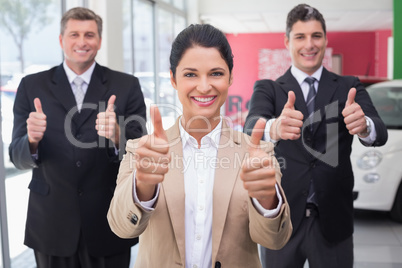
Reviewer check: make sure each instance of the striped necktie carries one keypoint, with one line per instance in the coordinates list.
(310, 102)
(79, 93)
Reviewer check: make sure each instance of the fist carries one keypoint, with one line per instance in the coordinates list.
(106, 123)
(36, 123)
(152, 158)
(353, 114)
(288, 125)
(258, 173)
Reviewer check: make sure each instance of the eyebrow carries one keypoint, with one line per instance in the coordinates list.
(189, 69)
(194, 69)
(314, 33)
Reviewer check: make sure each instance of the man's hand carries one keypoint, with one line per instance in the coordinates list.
(36, 126)
(257, 172)
(354, 115)
(152, 158)
(106, 124)
(288, 125)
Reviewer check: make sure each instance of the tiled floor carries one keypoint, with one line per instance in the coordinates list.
(377, 239)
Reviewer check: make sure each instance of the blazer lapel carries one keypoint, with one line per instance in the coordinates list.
(289, 83)
(225, 179)
(173, 188)
(62, 90)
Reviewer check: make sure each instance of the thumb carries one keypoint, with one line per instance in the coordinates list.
(257, 133)
(291, 100)
(110, 103)
(157, 123)
(351, 97)
(38, 105)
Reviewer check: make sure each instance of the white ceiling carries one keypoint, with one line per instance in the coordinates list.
(264, 16)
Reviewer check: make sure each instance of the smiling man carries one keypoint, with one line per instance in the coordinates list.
(313, 116)
(70, 126)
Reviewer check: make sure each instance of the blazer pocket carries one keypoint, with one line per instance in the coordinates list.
(39, 186)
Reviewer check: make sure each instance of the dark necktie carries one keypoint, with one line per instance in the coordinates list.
(310, 108)
(310, 102)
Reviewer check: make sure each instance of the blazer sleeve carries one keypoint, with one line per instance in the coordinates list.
(364, 100)
(272, 233)
(20, 154)
(127, 219)
(261, 104)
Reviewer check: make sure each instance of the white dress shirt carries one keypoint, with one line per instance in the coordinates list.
(300, 77)
(86, 76)
(199, 175)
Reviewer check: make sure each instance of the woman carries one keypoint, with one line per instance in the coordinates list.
(200, 194)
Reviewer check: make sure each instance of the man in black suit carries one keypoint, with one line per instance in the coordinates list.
(70, 126)
(314, 151)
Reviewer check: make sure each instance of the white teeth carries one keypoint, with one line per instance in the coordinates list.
(203, 99)
(81, 51)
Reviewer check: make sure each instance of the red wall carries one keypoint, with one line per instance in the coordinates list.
(363, 53)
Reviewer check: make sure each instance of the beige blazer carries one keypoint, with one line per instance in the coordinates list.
(237, 227)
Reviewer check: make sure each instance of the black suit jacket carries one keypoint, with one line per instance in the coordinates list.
(74, 176)
(322, 154)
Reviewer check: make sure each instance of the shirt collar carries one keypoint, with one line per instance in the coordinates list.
(211, 139)
(300, 75)
(86, 76)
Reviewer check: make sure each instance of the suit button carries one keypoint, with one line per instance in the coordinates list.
(312, 164)
(217, 264)
(134, 219)
(78, 163)
(78, 136)
(80, 192)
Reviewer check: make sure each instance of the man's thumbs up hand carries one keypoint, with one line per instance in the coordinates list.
(288, 125)
(353, 114)
(36, 126)
(106, 123)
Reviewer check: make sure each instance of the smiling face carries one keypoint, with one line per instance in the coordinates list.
(80, 43)
(202, 81)
(306, 44)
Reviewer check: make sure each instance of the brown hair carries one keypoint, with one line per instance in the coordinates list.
(80, 13)
(303, 12)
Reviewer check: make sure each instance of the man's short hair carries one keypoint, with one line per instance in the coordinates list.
(303, 12)
(80, 13)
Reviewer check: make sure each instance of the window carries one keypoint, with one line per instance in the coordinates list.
(19, 56)
(148, 35)
(148, 31)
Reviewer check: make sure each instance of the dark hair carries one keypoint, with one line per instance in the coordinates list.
(303, 12)
(80, 13)
(203, 35)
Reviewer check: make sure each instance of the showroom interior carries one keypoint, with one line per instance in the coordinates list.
(137, 36)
